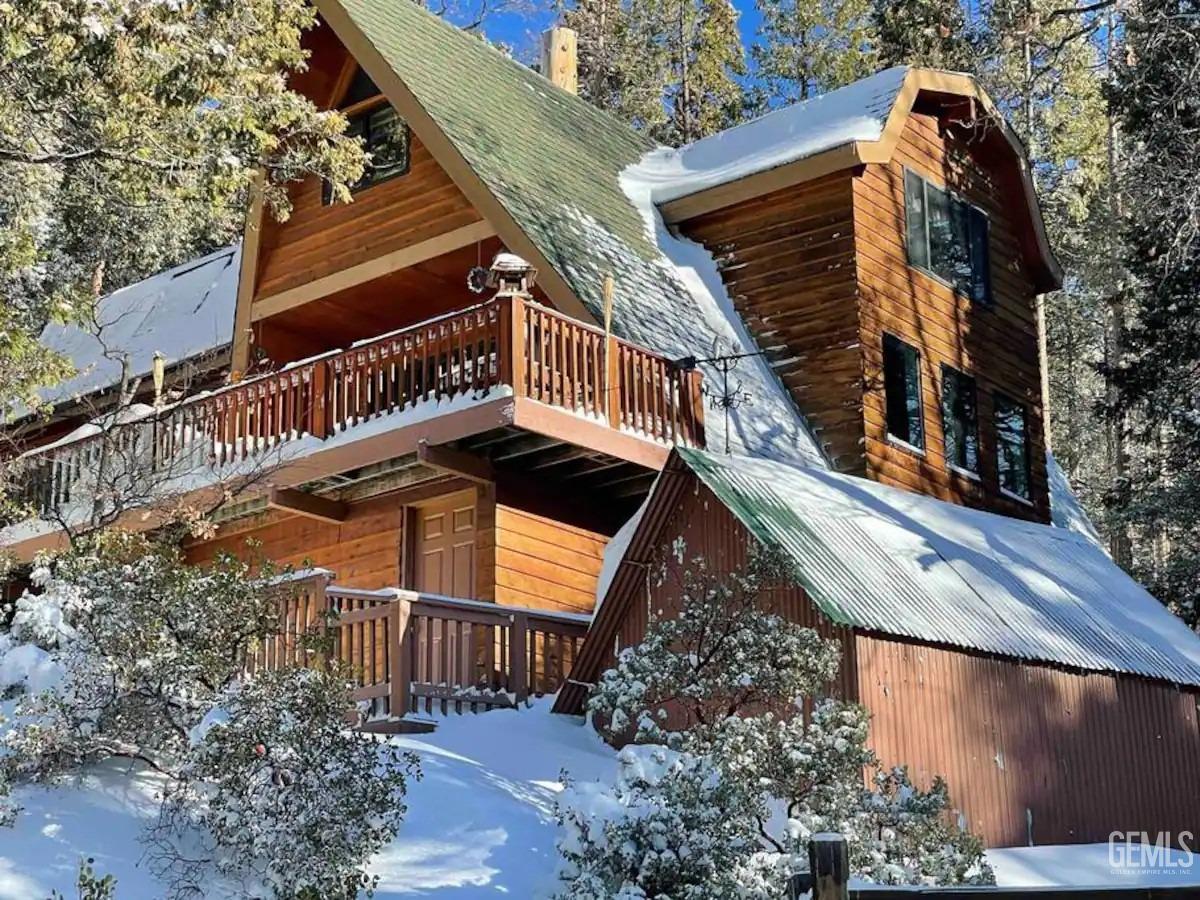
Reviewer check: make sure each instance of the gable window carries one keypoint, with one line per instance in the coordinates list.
(902, 392)
(1012, 447)
(386, 140)
(947, 237)
(960, 420)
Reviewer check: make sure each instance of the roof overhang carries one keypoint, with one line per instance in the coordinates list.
(449, 156)
(1046, 269)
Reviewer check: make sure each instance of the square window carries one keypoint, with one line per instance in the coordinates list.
(1012, 446)
(902, 391)
(960, 420)
(386, 139)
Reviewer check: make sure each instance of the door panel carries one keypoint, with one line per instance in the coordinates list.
(446, 547)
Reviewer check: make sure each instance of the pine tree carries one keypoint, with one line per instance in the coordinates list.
(622, 68)
(807, 48)
(671, 69)
(1157, 103)
(703, 94)
(924, 33)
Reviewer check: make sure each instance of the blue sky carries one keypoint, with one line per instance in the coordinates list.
(521, 31)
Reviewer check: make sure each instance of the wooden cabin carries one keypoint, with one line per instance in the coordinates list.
(442, 400)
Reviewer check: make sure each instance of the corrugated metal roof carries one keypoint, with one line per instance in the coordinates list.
(181, 313)
(884, 560)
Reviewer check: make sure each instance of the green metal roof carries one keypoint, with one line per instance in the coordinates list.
(885, 560)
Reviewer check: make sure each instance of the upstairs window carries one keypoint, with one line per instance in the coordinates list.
(386, 140)
(902, 392)
(947, 237)
(960, 420)
(1012, 447)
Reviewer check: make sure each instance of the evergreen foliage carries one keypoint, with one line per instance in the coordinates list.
(130, 135)
(736, 762)
(1157, 104)
(807, 48)
(924, 33)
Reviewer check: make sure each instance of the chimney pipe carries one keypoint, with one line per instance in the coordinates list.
(559, 61)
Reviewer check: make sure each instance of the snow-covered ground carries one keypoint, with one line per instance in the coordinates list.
(480, 823)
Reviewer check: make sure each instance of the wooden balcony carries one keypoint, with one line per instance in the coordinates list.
(410, 653)
(505, 363)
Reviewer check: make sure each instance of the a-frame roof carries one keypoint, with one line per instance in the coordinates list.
(548, 171)
(526, 153)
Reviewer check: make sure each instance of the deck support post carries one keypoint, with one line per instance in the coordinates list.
(400, 662)
(612, 381)
(319, 409)
(518, 648)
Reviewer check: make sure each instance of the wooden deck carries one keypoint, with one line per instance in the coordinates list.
(507, 363)
(414, 655)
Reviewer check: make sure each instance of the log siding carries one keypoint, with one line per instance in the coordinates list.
(994, 343)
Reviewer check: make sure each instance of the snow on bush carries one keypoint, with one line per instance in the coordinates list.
(749, 765)
(122, 650)
(289, 802)
(136, 645)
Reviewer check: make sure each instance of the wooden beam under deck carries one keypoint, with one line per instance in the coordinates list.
(310, 505)
(447, 459)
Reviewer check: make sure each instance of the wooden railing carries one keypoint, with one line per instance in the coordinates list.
(409, 653)
(539, 353)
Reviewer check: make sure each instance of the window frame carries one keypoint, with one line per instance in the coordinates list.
(362, 111)
(894, 439)
(997, 398)
(953, 466)
(926, 268)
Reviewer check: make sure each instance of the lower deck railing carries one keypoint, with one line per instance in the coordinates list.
(408, 652)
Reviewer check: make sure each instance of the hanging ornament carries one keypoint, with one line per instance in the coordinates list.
(477, 277)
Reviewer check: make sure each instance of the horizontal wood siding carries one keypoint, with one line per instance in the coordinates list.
(319, 240)
(997, 345)
(545, 564)
(787, 260)
(1087, 754)
(1077, 755)
(363, 551)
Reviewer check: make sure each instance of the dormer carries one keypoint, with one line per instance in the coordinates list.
(885, 246)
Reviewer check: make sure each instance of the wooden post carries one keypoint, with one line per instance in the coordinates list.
(830, 867)
(518, 649)
(516, 346)
(319, 410)
(612, 381)
(696, 410)
(400, 665)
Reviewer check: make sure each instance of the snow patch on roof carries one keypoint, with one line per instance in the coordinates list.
(1065, 509)
(181, 313)
(856, 112)
(703, 322)
(882, 559)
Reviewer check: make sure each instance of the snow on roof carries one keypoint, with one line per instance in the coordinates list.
(882, 559)
(856, 112)
(181, 313)
(1065, 509)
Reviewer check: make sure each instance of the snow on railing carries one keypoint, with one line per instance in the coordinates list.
(541, 354)
(410, 652)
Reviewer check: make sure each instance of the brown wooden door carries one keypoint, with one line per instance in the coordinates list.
(445, 546)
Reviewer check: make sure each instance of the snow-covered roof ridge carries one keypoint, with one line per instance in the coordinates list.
(882, 559)
(856, 112)
(183, 312)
